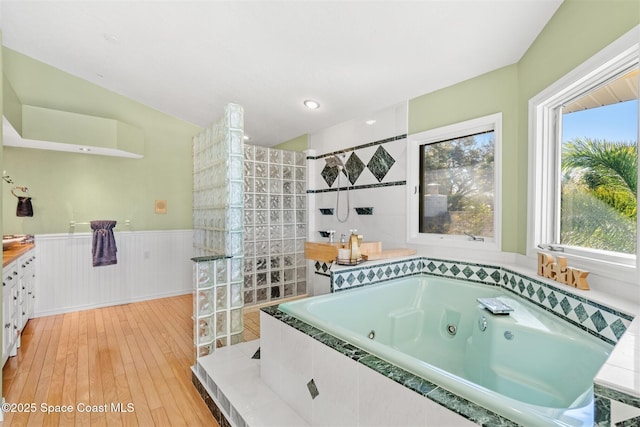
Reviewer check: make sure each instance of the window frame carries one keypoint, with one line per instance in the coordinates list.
(480, 124)
(544, 158)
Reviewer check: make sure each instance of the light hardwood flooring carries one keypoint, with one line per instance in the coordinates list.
(138, 355)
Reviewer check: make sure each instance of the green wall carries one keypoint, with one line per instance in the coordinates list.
(577, 31)
(487, 94)
(84, 187)
(300, 143)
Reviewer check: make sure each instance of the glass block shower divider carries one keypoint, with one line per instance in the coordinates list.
(275, 218)
(218, 193)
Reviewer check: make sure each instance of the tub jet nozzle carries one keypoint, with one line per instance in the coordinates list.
(372, 334)
(451, 328)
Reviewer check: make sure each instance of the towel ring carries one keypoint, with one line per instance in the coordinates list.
(23, 189)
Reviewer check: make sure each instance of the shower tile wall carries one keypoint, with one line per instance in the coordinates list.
(375, 161)
(275, 224)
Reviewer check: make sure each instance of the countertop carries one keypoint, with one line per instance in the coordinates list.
(14, 252)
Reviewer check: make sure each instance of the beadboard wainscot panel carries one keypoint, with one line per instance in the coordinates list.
(151, 264)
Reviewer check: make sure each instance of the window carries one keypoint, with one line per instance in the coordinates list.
(454, 184)
(583, 140)
(599, 167)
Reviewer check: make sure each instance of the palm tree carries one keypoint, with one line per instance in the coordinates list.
(609, 170)
(599, 194)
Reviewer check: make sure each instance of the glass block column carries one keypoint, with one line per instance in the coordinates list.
(218, 197)
(218, 186)
(217, 303)
(275, 218)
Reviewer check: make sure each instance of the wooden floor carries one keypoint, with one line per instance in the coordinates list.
(138, 355)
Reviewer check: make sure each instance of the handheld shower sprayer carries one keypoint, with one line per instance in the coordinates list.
(334, 161)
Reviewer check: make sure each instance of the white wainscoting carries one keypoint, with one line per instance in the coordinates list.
(151, 264)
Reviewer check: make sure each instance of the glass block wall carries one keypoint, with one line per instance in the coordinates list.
(218, 192)
(275, 219)
(218, 186)
(217, 304)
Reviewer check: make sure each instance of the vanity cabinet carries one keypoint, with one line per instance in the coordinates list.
(26, 275)
(18, 282)
(10, 285)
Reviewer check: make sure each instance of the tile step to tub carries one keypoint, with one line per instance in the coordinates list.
(231, 378)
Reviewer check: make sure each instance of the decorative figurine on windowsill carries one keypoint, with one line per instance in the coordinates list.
(557, 270)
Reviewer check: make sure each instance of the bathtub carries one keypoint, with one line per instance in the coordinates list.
(528, 366)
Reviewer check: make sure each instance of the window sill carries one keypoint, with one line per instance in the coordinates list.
(609, 280)
(455, 242)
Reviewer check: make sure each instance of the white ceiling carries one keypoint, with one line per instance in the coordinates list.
(190, 58)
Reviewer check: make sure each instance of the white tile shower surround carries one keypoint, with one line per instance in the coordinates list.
(382, 226)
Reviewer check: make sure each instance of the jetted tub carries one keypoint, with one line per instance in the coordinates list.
(528, 366)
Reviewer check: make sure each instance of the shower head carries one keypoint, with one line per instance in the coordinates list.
(334, 161)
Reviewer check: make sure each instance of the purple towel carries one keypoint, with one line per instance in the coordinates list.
(104, 243)
(25, 208)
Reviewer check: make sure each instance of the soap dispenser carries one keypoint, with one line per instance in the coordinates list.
(354, 246)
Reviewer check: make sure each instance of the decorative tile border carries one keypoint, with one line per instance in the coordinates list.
(603, 409)
(471, 272)
(599, 320)
(603, 322)
(359, 187)
(358, 147)
(367, 274)
(379, 164)
(323, 268)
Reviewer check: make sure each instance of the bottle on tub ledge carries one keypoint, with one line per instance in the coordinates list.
(354, 245)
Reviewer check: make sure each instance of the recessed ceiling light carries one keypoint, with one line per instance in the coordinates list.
(311, 104)
(370, 122)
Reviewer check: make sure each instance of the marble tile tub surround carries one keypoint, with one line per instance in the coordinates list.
(352, 386)
(602, 321)
(617, 381)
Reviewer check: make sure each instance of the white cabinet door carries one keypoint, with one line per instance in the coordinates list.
(25, 289)
(18, 281)
(6, 314)
(10, 282)
(30, 279)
